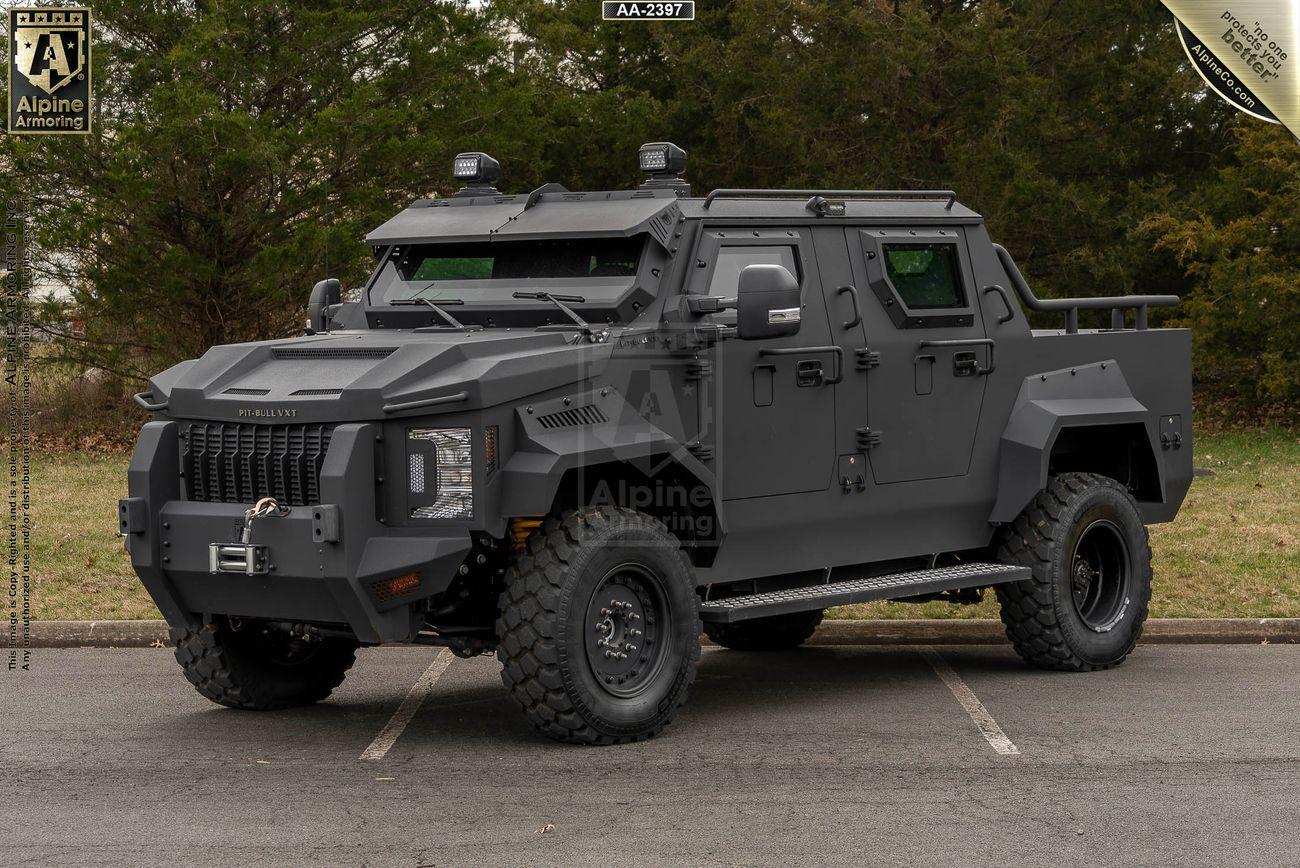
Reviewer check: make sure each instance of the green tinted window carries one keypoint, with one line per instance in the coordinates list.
(925, 275)
(455, 268)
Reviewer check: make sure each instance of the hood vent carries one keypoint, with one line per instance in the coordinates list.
(333, 352)
(574, 418)
(233, 391)
(317, 392)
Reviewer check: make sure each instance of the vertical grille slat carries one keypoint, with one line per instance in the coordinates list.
(238, 463)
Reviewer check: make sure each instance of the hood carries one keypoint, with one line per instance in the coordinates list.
(361, 376)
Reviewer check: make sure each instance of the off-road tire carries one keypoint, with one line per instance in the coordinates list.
(1042, 619)
(549, 593)
(233, 667)
(776, 633)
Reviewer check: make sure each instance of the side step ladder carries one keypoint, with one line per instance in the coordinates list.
(888, 587)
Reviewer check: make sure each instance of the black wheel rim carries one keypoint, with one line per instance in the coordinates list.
(625, 630)
(1099, 575)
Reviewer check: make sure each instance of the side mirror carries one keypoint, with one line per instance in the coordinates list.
(767, 303)
(324, 295)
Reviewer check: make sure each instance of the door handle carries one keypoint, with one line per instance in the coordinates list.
(967, 342)
(1006, 302)
(837, 369)
(853, 297)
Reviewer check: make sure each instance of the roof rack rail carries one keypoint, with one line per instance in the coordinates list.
(740, 193)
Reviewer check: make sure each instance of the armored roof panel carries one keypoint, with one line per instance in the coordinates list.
(468, 219)
(621, 213)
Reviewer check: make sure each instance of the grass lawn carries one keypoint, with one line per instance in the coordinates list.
(1233, 552)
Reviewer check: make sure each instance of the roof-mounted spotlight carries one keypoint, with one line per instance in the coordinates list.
(663, 162)
(478, 171)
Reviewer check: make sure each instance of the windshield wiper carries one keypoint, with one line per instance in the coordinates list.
(414, 298)
(559, 301)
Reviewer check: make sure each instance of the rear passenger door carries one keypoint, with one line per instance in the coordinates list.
(772, 402)
(920, 314)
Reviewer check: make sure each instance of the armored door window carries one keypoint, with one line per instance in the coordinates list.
(731, 260)
(726, 273)
(919, 277)
(925, 275)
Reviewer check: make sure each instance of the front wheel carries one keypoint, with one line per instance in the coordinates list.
(247, 665)
(599, 627)
(1085, 604)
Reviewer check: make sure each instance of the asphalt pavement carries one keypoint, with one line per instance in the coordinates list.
(828, 755)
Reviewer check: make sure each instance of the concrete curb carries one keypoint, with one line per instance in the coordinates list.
(981, 631)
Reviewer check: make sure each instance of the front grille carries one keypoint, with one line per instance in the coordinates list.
(237, 463)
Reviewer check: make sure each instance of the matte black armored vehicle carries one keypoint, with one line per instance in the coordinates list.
(571, 426)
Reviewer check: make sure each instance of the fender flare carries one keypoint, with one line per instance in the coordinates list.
(593, 428)
(1085, 395)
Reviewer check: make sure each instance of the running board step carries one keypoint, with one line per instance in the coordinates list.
(860, 591)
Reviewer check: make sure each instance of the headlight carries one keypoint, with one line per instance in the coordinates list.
(440, 472)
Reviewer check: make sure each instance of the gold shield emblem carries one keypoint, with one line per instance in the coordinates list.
(50, 48)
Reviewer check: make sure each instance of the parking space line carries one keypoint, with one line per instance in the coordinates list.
(984, 721)
(410, 705)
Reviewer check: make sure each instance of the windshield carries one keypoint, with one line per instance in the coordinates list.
(492, 270)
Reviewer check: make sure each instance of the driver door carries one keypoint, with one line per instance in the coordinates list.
(772, 401)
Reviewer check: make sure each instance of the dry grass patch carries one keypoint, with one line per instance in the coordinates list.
(79, 568)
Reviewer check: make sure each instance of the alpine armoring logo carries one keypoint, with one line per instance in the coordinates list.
(49, 70)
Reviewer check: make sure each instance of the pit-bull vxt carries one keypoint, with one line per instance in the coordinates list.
(577, 428)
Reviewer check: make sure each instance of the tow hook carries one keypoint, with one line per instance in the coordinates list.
(244, 557)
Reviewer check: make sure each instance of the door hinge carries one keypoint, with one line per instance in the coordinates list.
(699, 369)
(700, 451)
(867, 359)
(868, 439)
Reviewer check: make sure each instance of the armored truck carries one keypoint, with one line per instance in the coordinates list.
(576, 429)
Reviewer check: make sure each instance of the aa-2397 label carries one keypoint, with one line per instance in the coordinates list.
(614, 10)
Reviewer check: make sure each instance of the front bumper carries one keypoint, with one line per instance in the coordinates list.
(307, 578)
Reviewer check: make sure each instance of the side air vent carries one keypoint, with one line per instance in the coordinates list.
(574, 418)
(317, 392)
(333, 352)
(233, 391)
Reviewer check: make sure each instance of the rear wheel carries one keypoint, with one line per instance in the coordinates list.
(777, 633)
(1084, 606)
(599, 627)
(256, 668)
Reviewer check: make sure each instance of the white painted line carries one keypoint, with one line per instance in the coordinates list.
(410, 705)
(987, 726)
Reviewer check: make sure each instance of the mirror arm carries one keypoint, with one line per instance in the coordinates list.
(705, 304)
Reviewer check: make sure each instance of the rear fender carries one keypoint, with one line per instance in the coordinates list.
(1083, 396)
